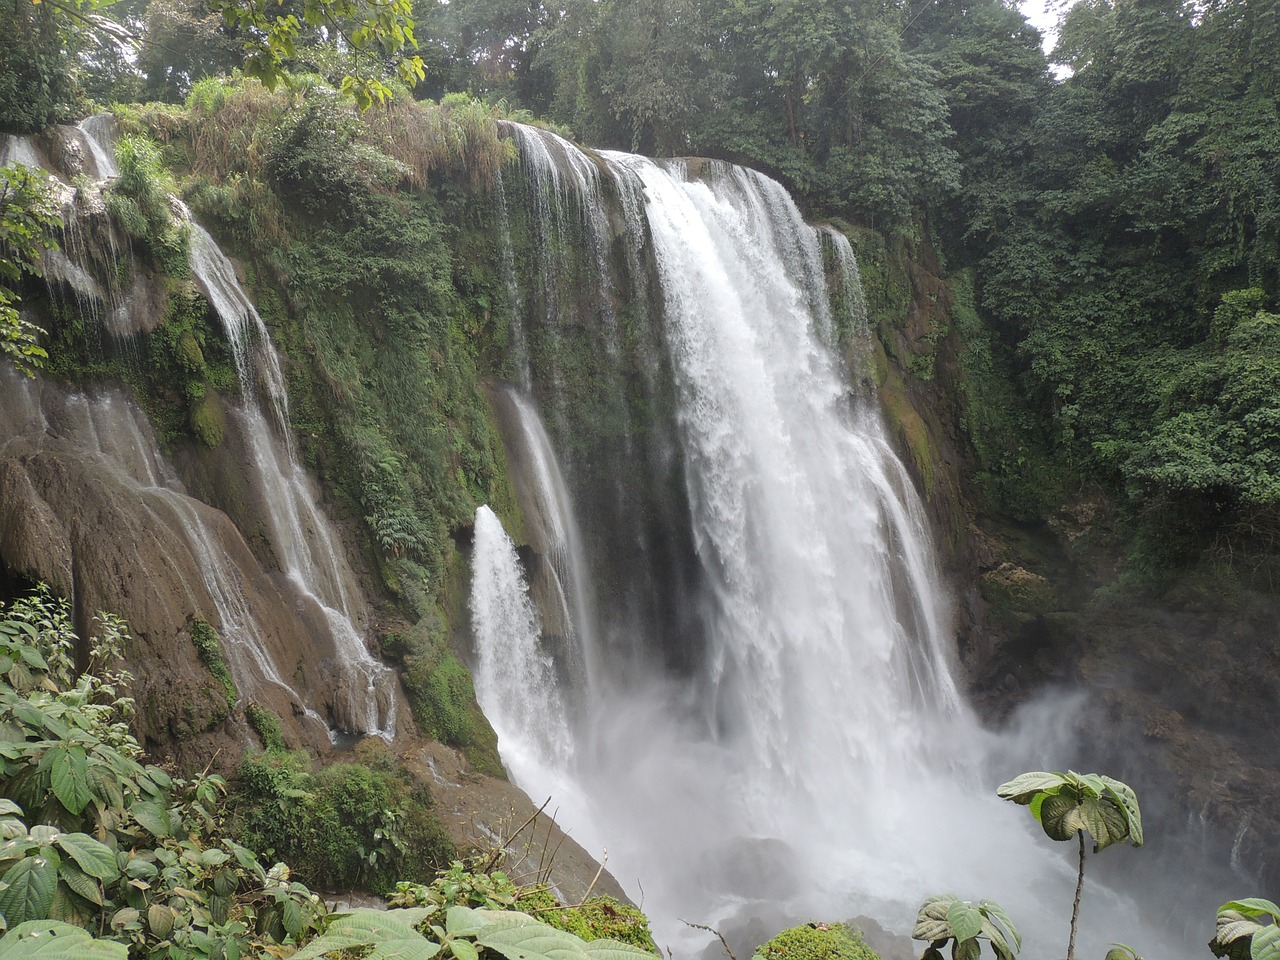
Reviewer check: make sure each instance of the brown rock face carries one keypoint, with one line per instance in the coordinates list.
(88, 505)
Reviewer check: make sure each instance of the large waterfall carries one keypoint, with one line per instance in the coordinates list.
(812, 758)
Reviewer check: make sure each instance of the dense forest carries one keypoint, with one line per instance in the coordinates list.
(1072, 261)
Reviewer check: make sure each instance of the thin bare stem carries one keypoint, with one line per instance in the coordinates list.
(1075, 907)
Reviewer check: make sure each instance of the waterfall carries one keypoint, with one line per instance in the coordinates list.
(813, 757)
(305, 543)
(515, 679)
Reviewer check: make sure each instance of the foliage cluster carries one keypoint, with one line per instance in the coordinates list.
(209, 647)
(99, 840)
(816, 941)
(347, 825)
(28, 219)
(139, 201)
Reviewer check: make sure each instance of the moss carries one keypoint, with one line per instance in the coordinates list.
(267, 726)
(209, 648)
(599, 918)
(1015, 595)
(208, 422)
(817, 941)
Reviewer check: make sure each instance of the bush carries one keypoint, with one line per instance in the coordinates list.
(347, 825)
(599, 918)
(817, 941)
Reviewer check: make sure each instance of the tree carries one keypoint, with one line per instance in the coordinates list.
(1071, 804)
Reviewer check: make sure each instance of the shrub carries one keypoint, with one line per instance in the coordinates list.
(816, 941)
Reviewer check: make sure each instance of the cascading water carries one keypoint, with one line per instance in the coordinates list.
(515, 679)
(305, 543)
(363, 697)
(816, 759)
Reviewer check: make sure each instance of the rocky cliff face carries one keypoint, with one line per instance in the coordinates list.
(1184, 685)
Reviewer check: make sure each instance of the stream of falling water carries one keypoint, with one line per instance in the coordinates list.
(820, 762)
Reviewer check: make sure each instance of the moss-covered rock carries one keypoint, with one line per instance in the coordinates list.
(598, 918)
(1015, 595)
(208, 422)
(817, 941)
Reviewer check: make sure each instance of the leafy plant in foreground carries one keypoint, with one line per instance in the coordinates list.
(947, 918)
(1247, 930)
(1071, 804)
(411, 934)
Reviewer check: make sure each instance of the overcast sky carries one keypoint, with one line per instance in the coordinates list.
(1046, 21)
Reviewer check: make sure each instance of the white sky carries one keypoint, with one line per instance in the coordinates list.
(1042, 18)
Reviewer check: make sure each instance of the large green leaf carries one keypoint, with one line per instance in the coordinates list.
(1127, 800)
(153, 817)
(52, 940)
(1023, 788)
(1254, 907)
(613, 950)
(997, 913)
(530, 940)
(31, 883)
(965, 920)
(1060, 817)
(931, 921)
(83, 884)
(364, 927)
(94, 858)
(1105, 822)
(69, 775)
(1265, 944)
(417, 947)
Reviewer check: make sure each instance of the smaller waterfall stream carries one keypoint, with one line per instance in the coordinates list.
(515, 679)
(305, 543)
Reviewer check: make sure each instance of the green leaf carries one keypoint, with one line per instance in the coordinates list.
(997, 913)
(94, 858)
(1266, 944)
(416, 948)
(291, 917)
(152, 817)
(83, 884)
(1253, 907)
(519, 937)
(52, 940)
(606, 949)
(464, 950)
(1105, 822)
(931, 921)
(1023, 788)
(969, 949)
(69, 773)
(160, 918)
(1127, 801)
(1060, 817)
(364, 927)
(464, 921)
(31, 883)
(965, 920)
